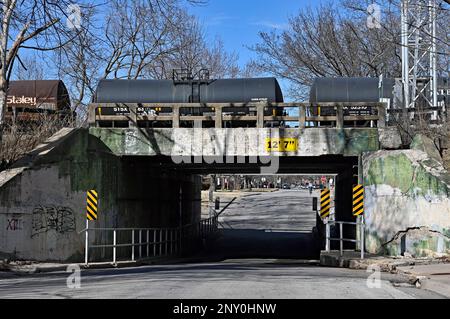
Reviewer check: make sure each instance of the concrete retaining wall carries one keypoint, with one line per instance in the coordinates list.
(43, 198)
(407, 203)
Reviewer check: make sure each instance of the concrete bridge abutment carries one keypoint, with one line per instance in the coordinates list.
(43, 198)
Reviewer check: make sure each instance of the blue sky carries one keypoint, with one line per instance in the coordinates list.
(237, 22)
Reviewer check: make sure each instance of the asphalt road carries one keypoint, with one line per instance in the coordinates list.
(280, 210)
(268, 225)
(263, 231)
(255, 278)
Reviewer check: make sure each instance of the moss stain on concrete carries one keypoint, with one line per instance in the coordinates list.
(399, 172)
(358, 141)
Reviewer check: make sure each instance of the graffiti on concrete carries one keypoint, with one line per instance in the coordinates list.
(58, 218)
(14, 224)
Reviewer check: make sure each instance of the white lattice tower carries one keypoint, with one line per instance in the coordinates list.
(419, 56)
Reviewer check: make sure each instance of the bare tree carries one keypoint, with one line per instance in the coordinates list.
(132, 36)
(390, 24)
(391, 8)
(335, 39)
(194, 52)
(20, 138)
(29, 31)
(30, 25)
(139, 39)
(325, 42)
(149, 41)
(133, 40)
(29, 68)
(79, 63)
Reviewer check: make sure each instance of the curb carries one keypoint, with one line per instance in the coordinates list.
(8, 270)
(386, 264)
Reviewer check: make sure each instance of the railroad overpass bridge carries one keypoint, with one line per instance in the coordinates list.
(149, 177)
(246, 151)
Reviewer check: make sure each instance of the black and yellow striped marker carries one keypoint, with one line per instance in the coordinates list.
(91, 205)
(325, 203)
(358, 200)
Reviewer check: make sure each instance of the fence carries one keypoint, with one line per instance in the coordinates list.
(251, 114)
(193, 235)
(152, 242)
(341, 239)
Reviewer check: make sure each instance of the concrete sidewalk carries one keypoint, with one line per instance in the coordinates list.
(433, 277)
(432, 274)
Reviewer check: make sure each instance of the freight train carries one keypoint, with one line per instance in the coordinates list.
(348, 89)
(33, 101)
(343, 89)
(190, 89)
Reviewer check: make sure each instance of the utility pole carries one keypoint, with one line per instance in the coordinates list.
(419, 56)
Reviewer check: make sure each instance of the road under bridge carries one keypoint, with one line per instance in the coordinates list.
(149, 178)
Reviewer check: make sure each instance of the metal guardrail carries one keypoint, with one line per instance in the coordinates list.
(152, 242)
(341, 239)
(199, 230)
(259, 113)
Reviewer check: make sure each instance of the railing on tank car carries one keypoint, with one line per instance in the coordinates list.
(257, 115)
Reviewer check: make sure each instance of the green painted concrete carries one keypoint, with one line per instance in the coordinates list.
(408, 193)
(413, 179)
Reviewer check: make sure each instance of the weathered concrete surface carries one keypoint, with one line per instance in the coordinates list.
(433, 277)
(390, 138)
(423, 143)
(425, 273)
(43, 198)
(407, 203)
(352, 259)
(41, 206)
(236, 141)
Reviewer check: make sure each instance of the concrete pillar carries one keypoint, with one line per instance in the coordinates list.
(133, 116)
(260, 115)
(218, 118)
(302, 117)
(339, 117)
(176, 117)
(381, 116)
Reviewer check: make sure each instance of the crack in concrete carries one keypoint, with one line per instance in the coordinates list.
(402, 232)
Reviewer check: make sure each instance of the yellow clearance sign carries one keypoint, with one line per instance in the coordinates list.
(358, 200)
(325, 203)
(92, 205)
(283, 144)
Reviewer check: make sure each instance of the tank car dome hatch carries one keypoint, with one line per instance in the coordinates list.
(342, 89)
(205, 91)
